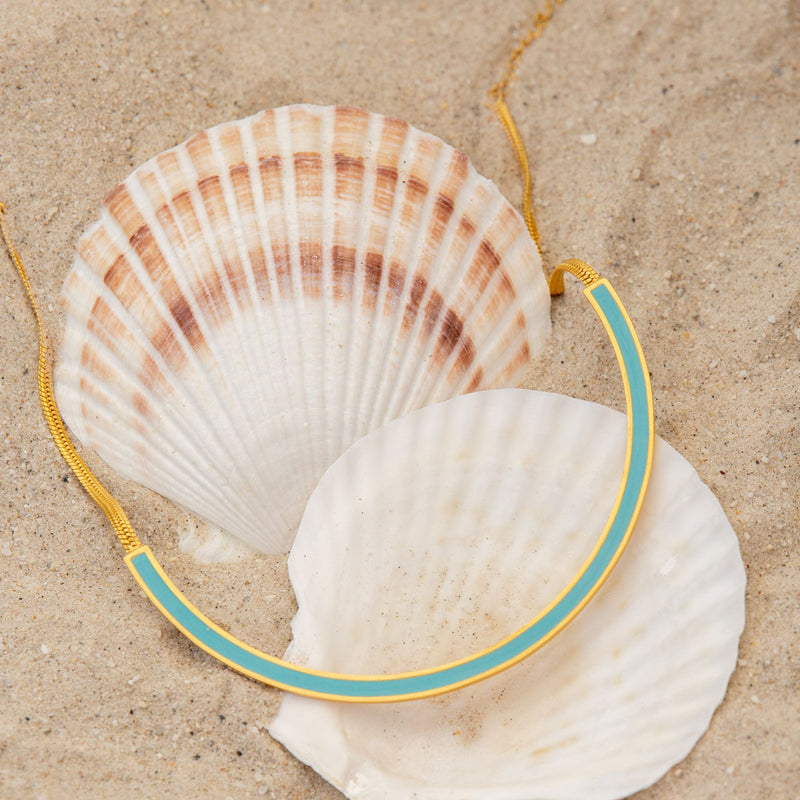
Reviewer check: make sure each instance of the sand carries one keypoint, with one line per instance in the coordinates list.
(665, 146)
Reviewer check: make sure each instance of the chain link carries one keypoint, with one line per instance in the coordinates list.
(497, 93)
(111, 508)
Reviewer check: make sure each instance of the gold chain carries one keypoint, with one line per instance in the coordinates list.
(112, 509)
(497, 93)
(580, 269)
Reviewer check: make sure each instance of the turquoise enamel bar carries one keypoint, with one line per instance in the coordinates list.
(407, 686)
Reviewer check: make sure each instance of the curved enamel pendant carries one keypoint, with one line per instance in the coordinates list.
(505, 653)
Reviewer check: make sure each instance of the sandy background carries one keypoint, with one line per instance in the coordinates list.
(688, 200)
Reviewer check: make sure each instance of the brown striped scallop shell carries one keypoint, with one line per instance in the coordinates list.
(257, 298)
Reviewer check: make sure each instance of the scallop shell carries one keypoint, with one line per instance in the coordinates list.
(256, 299)
(445, 531)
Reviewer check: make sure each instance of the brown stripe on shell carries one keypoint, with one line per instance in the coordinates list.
(97, 367)
(349, 177)
(122, 208)
(270, 168)
(386, 194)
(237, 281)
(416, 189)
(90, 388)
(501, 298)
(119, 275)
(229, 137)
(426, 153)
(261, 272)
(393, 136)
(165, 340)
(522, 354)
(431, 314)
(450, 334)
(304, 126)
(153, 260)
(437, 227)
(373, 270)
(520, 359)
(263, 128)
(108, 329)
(410, 215)
(385, 188)
(97, 250)
(484, 264)
(311, 267)
(507, 227)
(171, 175)
(239, 175)
(199, 148)
(180, 208)
(466, 355)
(418, 286)
(195, 233)
(282, 259)
(235, 271)
(210, 294)
(208, 287)
(204, 162)
(475, 382)
(444, 205)
(466, 228)
(443, 209)
(151, 375)
(344, 268)
(121, 205)
(271, 172)
(166, 217)
(123, 282)
(308, 175)
(104, 323)
(394, 288)
(383, 199)
(91, 362)
(457, 171)
(141, 404)
(350, 127)
(308, 185)
(219, 217)
(264, 135)
(210, 189)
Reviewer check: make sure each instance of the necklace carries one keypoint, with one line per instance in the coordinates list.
(507, 652)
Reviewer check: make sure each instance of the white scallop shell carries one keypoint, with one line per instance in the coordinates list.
(256, 299)
(443, 532)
